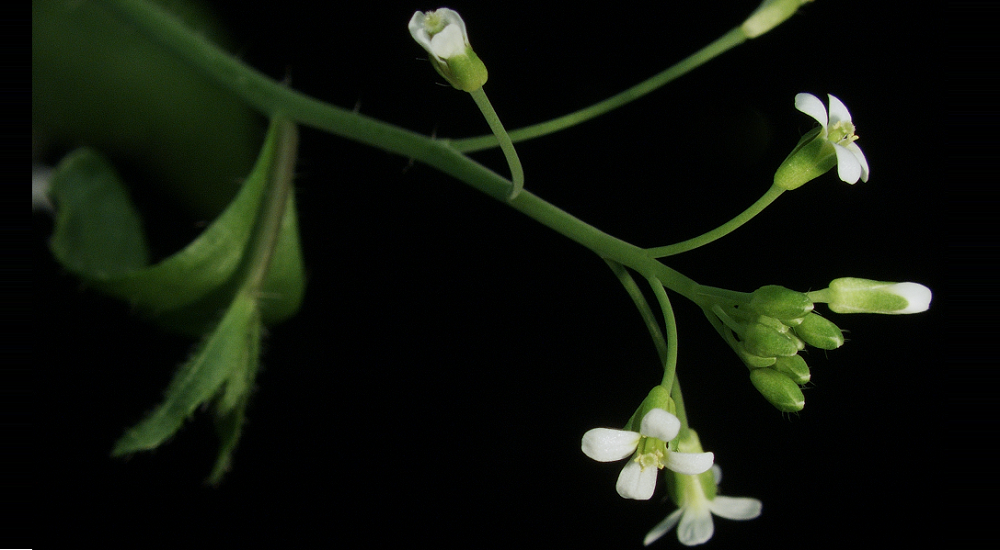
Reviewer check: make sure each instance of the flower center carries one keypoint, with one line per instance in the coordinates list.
(434, 23)
(842, 133)
(652, 451)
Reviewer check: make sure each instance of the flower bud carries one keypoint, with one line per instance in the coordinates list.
(780, 302)
(779, 390)
(442, 33)
(769, 341)
(752, 361)
(793, 367)
(819, 332)
(768, 15)
(853, 295)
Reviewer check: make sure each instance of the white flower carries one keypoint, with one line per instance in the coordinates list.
(838, 129)
(696, 509)
(638, 478)
(442, 33)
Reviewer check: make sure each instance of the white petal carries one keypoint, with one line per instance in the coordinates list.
(717, 473)
(689, 463)
(607, 445)
(853, 148)
(418, 32)
(451, 17)
(448, 43)
(918, 296)
(838, 111)
(696, 527)
(848, 166)
(660, 424)
(812, 106)
(663, 527)
(636, 482)
(738, 508)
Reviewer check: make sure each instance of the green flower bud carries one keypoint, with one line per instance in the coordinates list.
(768, 338)
(442, 33)
(779, 390)
(853, 295)
(768, 15)
(752, 361)
(780, 302)
(819, 332)
(794, 367)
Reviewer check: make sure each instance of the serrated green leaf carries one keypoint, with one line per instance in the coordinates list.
(229, 353)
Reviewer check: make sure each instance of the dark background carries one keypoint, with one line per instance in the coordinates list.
(451, 352)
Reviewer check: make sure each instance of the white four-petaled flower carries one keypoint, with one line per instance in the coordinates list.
(839, 130)
(696, 509)
(441, 32)
(648, 445)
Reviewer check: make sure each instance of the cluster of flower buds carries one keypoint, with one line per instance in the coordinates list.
(769, 332)
(775, 324)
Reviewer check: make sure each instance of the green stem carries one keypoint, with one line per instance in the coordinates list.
(680, 412)
(517, 173)
(670, 365)
(770, 196)
(644, 310)
(727, 41)
(271, 98)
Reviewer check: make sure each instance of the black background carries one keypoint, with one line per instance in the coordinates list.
(451, 352)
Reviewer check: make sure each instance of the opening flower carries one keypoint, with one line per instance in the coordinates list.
(650, 453)
(838, 129)
(831, 144)
(442, 33)
(854, 295)
(697, 501)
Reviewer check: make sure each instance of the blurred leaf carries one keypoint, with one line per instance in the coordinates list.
(96, 81)
(98, 237)
(98, 233)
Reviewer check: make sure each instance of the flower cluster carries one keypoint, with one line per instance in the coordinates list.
(768, 330)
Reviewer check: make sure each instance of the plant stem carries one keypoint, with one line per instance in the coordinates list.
(517, 173)
(722, 44)
(670, 365)
(763, 202)
(652, 324)
(272, 98)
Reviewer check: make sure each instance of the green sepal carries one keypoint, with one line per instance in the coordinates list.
(779, 390)
(780, 302)
(763, 340)
(812, 157)
(657, 398)
(464, 72)
(853, 295)
(794, 367)
(820, 332)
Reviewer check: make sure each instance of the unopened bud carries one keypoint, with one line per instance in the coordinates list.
(779, 390)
